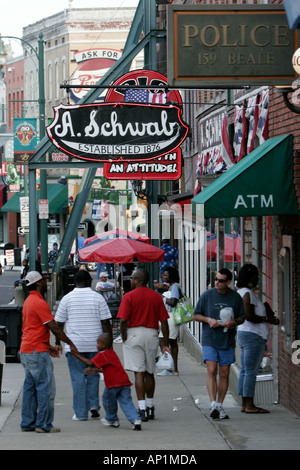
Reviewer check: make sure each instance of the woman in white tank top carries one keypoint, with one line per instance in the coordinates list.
(252, 336)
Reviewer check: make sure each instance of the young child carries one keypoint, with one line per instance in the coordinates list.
(117, 384)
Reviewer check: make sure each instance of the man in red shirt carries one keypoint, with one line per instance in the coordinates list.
(35, 352)
(140, 313)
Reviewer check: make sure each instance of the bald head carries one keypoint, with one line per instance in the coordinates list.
(105, 340)
(83, 278)
(140, 277)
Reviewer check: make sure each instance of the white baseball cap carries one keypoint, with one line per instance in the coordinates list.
(103, 274)
(33, 277)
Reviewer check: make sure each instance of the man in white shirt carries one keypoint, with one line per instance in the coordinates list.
(103, 285)
(86, 315)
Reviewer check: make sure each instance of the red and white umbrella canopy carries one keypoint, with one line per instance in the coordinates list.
(120, 250)
(118, 233)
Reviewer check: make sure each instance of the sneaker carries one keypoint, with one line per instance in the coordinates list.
(74, 418)
(115, 424)
(164, 373)
(137, 425)
(95, 414)
(143, 415)
(52, 430)
(150, 413)
(118, 340)
(222, 413)
(214, 412)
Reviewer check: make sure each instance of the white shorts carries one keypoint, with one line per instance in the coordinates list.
(140, 349)
(173, 329)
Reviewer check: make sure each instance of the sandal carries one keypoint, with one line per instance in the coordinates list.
(257, 411)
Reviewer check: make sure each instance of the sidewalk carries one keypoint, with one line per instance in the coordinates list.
(181, 423)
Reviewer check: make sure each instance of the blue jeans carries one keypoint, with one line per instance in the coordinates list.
(100, 268)
(109, 269)
(85, 388)
(38, 391)
(252, 348)
(110, 399)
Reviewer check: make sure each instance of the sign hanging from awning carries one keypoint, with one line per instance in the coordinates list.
(260, 184)
(117, 131)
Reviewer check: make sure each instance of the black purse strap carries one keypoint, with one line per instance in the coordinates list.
(181, 294)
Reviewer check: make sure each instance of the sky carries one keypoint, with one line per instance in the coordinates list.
(19, 13)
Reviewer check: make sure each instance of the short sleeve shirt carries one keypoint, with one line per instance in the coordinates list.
(171, 257)
(113, 371)
(82, 310)
(35, 333)
(143, 307)
(209, 305)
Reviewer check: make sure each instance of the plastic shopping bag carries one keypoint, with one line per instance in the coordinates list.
(226, 314)
(165, 362)
(183, 311)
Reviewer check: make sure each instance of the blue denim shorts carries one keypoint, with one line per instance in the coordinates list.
(224, 357)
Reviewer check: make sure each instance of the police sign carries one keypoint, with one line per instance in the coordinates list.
(230, 45)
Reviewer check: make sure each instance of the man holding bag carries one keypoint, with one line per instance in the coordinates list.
(140, 312)
(218, 338)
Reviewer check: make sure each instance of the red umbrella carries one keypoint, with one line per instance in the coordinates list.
(211, 246)
(233, 248)
(232, 245)
(118, 233)
(120, 250)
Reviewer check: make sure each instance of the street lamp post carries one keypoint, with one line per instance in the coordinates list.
(33, 241)
(43, 175)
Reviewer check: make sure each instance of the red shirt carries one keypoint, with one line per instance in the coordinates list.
(143, 307)
(36, 314)
(113, 371)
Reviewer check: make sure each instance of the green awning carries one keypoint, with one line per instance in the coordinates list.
(260, 184)
(57, 196)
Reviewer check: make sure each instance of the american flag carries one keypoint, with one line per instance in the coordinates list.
(197, 187)
(252, 116)
(263, 119)
(144, 96)
(227, 153)
(240, 130)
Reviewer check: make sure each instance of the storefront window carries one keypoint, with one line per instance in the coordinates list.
(224, 246)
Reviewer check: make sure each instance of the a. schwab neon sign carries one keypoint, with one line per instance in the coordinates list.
(117, 131)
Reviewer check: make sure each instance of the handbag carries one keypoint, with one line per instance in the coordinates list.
(183, 311)
(165, 362)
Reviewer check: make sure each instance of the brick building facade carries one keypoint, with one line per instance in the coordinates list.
(270, 242)
(284, 121)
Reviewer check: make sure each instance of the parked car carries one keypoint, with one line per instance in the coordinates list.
(92, 266)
